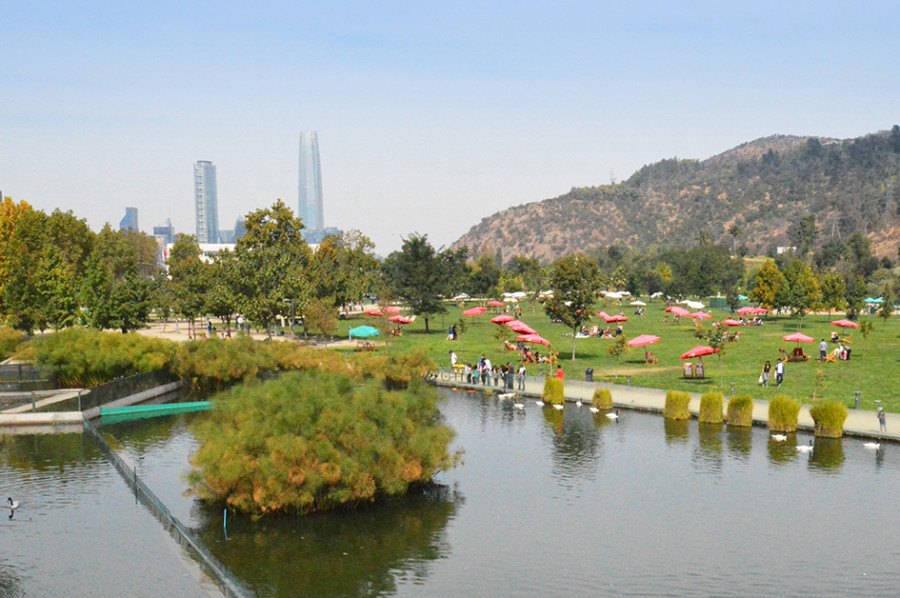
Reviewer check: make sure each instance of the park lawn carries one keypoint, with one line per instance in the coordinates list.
(874, 368)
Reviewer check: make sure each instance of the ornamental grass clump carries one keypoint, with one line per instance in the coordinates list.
(711, 405)
(783, 414)
(314, 441)
(602, 399)
(740, 411)
(829, 418)
(677, 405)
(554, 392)
(9, 340)
(216, 363)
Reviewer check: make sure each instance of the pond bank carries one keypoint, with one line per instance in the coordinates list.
(860, 423)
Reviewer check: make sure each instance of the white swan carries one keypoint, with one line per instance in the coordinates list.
(12, 506)
(578, 402)
(613, 416)
(558, 407)
(594, 410)
(539, 403)
(779, 437)
(519, 405)
(506, 395)
(805, 448)
(872, 445)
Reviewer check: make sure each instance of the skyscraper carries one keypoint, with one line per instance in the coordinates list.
(206, 202)
(130, 220)
(310, 191)
(165, 232)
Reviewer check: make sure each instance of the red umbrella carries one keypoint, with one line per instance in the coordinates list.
(699, 351)
(533, 338)
(495, 303)
(502, 319)
(745, 311)
(603, 314)
(731, 322)
(760, 310)
(373, 312)
(475, 311)
(611, 319)
(400, 320)
(845, 324)
(678, 311)
(391, 309)
(521, 327)
(644, 339)
(798, 337)
(700, 314)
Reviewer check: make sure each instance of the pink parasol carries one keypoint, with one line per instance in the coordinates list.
(475, 311)
(495, 303)
(699, 351)
(391, 309)
(678, 311)
(845, 324)
(533, 338)
(521, 327)
(399, 320)
(612, 319)
(700, 314)
(502, 319)
(373, 312)
(644, 339)
(603, 314)
(798, 337)
(731, 322)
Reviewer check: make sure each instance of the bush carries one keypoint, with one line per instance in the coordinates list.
(9, 340)
(711, 405)
(554, 392)
(313, 441)
(677, 405)
(783, 414)
(602, 399)
(86, 357)
(829, 417)
(740, 411)
(216, 363)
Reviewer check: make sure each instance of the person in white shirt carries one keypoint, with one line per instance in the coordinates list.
(779, 372)
(453, 358)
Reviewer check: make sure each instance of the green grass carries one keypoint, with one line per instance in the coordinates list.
(602, 399)
(783, 414)
(873, 369)
(829, 417)
(554, 392)
(740, 411)
(711, 408)
(677, 405)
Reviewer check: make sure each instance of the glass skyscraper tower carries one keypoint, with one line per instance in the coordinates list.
(310, 190)
(206, 202)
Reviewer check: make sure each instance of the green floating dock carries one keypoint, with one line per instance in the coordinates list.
(142, 411)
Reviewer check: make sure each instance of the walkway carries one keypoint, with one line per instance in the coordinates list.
(859, 422)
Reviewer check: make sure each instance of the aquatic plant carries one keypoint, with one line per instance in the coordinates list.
(602, 399)
(740, 411)
(554, 392)
(783, 414)
(677, 405)
(711, 408)
(829, 418)
(313, 441)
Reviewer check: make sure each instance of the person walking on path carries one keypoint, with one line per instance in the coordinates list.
(767, 368)
(882, 420)
(559, 372)
(779, 372)
(823, 350)
(521, 376)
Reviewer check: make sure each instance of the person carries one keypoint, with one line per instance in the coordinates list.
(521, 376)
(468, 371)
(779, 372)
(559, 372)
(882, 420)
(510, 374)
(589, 374)
(847, 350)
(834, 337)
(823, 350)
(453, 332)
(767, 368)
(453, 358)
(496, 372)
(486, 371)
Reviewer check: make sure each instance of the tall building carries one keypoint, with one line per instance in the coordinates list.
(206, 202)
(130, 220)
(310, 190)
(165, 232)
(239, 229)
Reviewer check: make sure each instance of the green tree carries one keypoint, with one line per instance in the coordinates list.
(190, 280)
(803, 291)
(221, 299)
(414, 274)
(887, 308)
(618, 348)
(854, 295)
(574, 281)
(530, 271)
(10, 212)
(769, 285)
(833, 292)
(484, 276)
(804, 234)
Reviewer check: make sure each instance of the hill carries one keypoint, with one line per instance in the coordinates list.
(748, 196)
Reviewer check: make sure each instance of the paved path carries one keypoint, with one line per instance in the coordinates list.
(859, 422)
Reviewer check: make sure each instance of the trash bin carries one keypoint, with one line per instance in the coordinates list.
(589, 374)
(689, 370)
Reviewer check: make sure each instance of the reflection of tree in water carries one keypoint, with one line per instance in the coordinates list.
(709, 448)
(340, 553)
(740, 440)
(575, 441)
(827, 454)
(783, 452)
(10, 585)
(677, 430)
(143, 434)
(42, 452)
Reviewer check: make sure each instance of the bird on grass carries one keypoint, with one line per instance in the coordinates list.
(805, 448)
(779, 437)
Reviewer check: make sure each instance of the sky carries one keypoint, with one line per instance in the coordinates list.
(431, 115)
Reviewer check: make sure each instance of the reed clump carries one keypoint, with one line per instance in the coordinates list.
(9, 340)
(711, 404)
(783, 414)
(602, 399)
(740, 411)
(829, 418)
(677, 405)
(554, 392)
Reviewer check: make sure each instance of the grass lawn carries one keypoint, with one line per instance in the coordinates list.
(874, 368)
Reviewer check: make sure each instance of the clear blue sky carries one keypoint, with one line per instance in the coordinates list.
(431, 115)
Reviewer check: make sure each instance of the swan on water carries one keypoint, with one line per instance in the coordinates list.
(12, 506)
(779, 437)
(539, 403)
(806, 448)
(872, 445)
(613, 415)
(578, 402)
(506, 395)
(558, 407)
(519, 405)
(594, 410)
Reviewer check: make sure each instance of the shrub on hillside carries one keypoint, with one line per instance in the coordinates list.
(711, 405)
(9, 340)
(677, 405)
(783, 414)
(829, 418)
(740, 411)
(313, 441)
(602, 399)
(554, 391)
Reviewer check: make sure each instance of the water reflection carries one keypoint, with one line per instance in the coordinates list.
(349, 553)
(784, 451)
(709, 447)
(555, 418)
(10, 585)
(576, 442)
(827, 454)
(45, 452)
(740, 441)
(677, 430)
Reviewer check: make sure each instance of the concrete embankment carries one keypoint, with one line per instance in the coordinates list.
(859, 422)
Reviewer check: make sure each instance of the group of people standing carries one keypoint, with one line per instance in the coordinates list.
(767, 371)
(505, 375)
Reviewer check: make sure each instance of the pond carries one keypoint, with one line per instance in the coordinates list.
(556, 503)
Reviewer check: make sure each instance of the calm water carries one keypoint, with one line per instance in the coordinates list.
(555, 503)
(79, 531)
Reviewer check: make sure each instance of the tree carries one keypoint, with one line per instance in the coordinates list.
(414, 274)
(833, 292)
(190, 280)
(854, 295)
(804, 234)
(768, 286)
(220, 299)
(887, 308)
(574, 281)
(803, 292)
(529, 270)
(10, 212)
(618, 348)
(484, 276)
(735, 231)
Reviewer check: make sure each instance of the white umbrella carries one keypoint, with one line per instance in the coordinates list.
(638, 303)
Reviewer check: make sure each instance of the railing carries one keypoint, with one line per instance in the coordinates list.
(23, 377)
(123, 387)
(457, 377)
